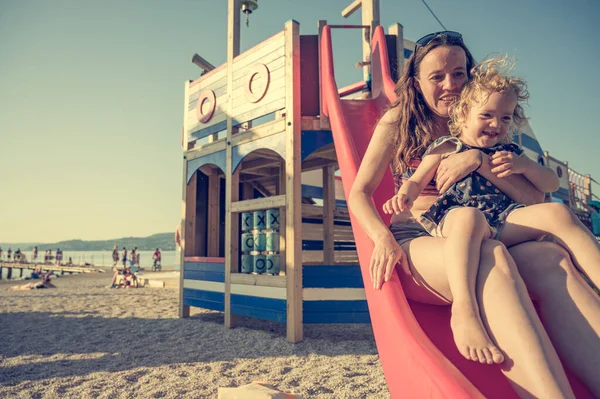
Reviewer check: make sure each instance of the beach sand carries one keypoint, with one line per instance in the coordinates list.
(83, 340)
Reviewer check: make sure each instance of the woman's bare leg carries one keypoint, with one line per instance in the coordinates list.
(555, 218)
(569, 308)
(531, 363)
(465, 229)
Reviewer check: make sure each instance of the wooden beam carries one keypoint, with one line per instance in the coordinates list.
(258, 204)
(260, 131)
(232, 180)
(351, 8)
(398, 31)
(328, 209)
(261, 189)
(213, 217)
(190, 216)
(259, 280)
(184, 311)
(206, 149)
(293, 210)
(258, 163)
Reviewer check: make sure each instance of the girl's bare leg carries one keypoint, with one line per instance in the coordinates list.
(555, 218)
(531, 363)
(569, 308)
(465, 229)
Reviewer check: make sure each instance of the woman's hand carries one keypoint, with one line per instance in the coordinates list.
(386, 255)
(398, 203)
(456, 167)
(506, 163)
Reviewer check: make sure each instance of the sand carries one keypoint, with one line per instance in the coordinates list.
(83, 340)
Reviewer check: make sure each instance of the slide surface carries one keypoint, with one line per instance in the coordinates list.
(414, 340)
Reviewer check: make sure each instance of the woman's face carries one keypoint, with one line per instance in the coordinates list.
(442, 75)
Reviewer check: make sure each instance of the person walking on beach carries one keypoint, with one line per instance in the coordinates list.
(124, 257)
(132, 257)
(35, 254)
(115, 255)
(156, 257)
(9, 254)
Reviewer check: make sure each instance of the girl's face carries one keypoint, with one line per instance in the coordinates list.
(442, 75)
(487, 123)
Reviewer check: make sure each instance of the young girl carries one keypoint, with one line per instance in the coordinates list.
(473, 209)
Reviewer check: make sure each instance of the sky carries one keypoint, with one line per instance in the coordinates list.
(91, 94)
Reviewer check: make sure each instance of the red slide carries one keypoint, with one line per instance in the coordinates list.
(414, 341)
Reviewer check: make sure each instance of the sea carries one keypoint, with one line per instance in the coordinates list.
(98, 258)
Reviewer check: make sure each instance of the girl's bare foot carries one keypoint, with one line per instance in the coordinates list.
(470, 335)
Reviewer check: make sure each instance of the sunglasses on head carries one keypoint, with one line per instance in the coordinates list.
(424, 41)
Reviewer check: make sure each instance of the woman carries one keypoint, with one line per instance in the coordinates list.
(431, 80)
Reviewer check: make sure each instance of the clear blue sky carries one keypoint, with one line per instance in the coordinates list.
(91, 94)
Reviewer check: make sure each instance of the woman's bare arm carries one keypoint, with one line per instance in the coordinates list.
(372, 168)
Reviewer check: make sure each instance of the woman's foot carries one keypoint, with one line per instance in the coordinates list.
(470, 336)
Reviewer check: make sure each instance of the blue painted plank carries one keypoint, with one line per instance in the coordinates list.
(204, 276)
(335, 306)
(331, 271)
(332, 282)
(320, 221)
(335, 317)
(198, 303)
(316, 245)
(205, 267)
(204, 295)
(259, 303)
(264, 314)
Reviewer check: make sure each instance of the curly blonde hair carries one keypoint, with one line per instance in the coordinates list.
(415, 123)
(487, 77)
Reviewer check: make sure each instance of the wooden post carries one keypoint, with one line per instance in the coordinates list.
(282, 226)
(293, 230)
(323, 120)
(21, 274)
(214, 226)
(369, 17)
(9, 273)
(328, 210)
(232, 180)
(184, 311)
(398, 31)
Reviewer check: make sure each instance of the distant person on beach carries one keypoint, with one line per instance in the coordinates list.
(59, 255)
(35, 254)
(45, 283)
(136, 261)
(0, 253)
(115, 255)
(132, 257)
(124, 257)
(18, 255)
(70, 262)
(9, 254)
(157, 258)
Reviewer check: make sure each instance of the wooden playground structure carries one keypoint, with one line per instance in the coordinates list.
(253, 131)
(255, 139)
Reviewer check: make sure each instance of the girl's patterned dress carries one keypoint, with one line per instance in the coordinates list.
(472, 191)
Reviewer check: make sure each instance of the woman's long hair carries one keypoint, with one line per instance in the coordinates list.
(415, 125)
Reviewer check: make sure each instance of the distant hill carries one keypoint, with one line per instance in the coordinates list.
(164, 241)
